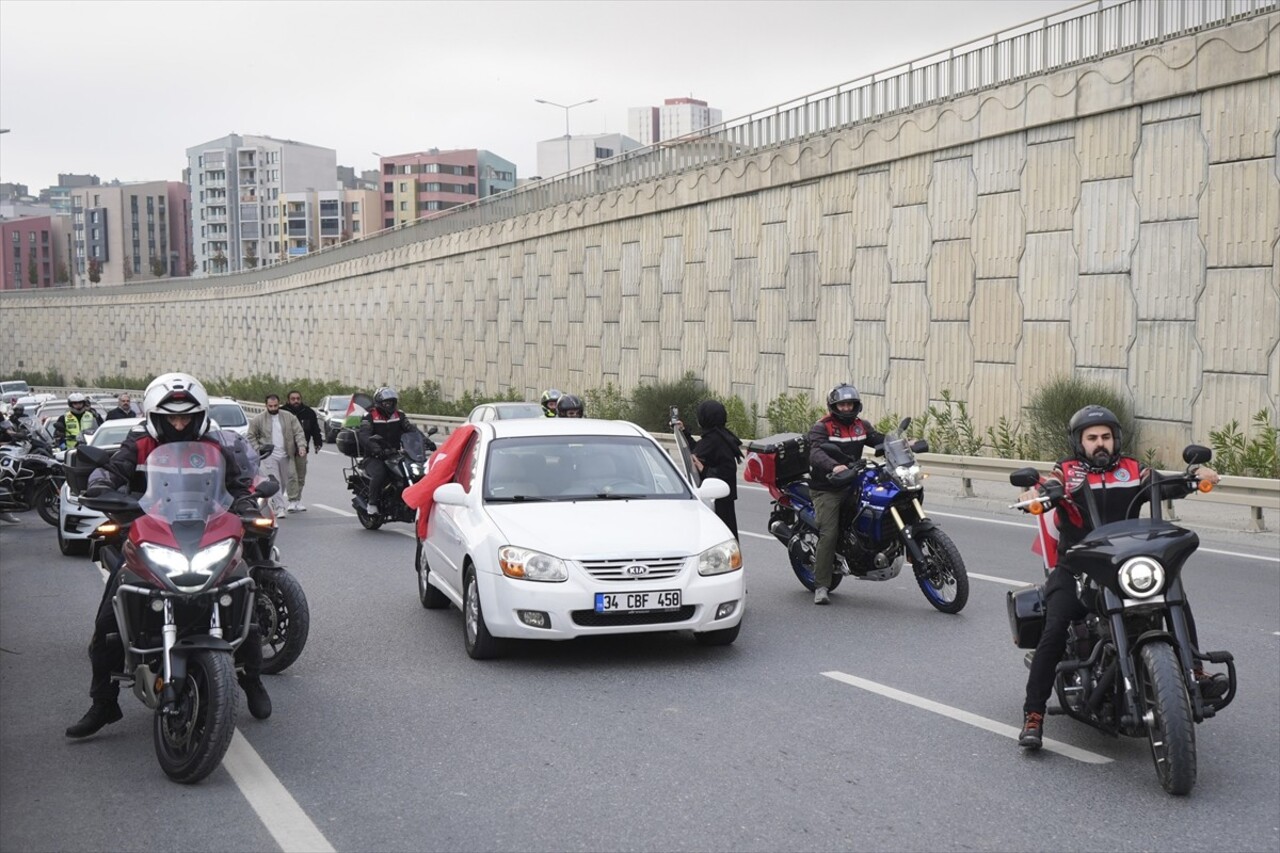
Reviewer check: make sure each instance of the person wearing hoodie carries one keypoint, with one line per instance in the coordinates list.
(717, 454)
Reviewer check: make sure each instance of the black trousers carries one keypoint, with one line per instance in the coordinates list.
(1062, 607)
(728, 514)
(107, 656)
(378, 474)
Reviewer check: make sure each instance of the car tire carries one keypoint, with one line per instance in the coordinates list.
(721, 637)
(480, 644)
(72, 547)
(431, 598)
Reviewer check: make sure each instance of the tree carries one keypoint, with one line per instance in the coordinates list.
(251, 256)
(191, 264)
(157, 266)
(60, 274)
(311, 246)
(127, 268)
(95, 271)
(219, 261)
(33, 274)
(345, 236)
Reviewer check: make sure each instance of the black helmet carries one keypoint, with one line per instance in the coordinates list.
(570, 406)
(385, 400)
(1091, 416)
(844, 393)
(550, 397)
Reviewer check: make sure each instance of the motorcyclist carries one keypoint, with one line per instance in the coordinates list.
(842, 427)
(1118, 485)
(550, 398)
(379, 435)
(79, 419)
(570, 406)
(177, 409)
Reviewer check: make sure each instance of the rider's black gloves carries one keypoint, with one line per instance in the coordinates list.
(1053, 490)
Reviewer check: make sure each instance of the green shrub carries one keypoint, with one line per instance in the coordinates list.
(1052, 405)
(1007, 442)
(42, 378)
(651, 404)
(1235, 452)
(949, 429)
(740, 422)
(607, 402)
(793, 413)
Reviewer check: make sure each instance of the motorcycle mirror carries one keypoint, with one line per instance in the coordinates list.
(1196, 454)
(266, 488)
(432, 430)
(906, 422)
(919, 446)
(1024, 478)
(96, 455)
(266, 450)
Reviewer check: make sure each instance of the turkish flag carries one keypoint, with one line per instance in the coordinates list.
(440, 470)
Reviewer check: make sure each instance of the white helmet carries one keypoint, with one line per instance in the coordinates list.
(176, 394)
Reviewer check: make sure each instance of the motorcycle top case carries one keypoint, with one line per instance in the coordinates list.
(777, 459)
(348, 443)
(1026, 615)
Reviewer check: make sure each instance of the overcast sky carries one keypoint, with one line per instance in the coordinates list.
(121, 89)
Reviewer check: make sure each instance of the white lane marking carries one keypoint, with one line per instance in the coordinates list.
(757, 535)
(994, 579)
(1008, 731)
(412, 534)
(1239, 554)
(275, 806)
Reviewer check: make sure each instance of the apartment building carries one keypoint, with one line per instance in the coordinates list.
(676, 117)
(423, 183)
(563, 154)
(236, 183)
(126, 232)
(33, 252)
(319, 218)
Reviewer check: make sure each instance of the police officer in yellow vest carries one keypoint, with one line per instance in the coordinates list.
(76, 422)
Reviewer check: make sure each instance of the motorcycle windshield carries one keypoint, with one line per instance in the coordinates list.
(897, 452)
(412, 443)
(186, 481)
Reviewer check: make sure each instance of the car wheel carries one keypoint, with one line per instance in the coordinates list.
(481, 645)
(431, 598)
(722, 637)
(72, 547)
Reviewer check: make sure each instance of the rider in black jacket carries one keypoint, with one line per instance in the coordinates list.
(379, 435)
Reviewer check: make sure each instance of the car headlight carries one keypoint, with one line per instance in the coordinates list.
(194, 574)
(528, 565)
(725, 557)
(1141, 577)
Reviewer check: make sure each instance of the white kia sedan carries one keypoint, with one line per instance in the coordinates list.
(553, 529)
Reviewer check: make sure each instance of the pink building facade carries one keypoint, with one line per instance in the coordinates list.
(34, 247)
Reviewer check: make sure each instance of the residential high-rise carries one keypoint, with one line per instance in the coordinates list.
(676, 117)
(559, 155)
(126, 232)
(33, 252)
(236, 183)
(421, 183)
(320, 218)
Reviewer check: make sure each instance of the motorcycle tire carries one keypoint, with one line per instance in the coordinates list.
(46, 501)
(191, 742)
(804, 570)
(1171, 732)
(943, 578)
(431, 598)
(284, 618)
(367, 521)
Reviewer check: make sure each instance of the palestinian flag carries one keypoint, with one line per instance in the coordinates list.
(356, 410)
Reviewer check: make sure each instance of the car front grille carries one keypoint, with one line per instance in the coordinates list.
(657, 568)
(592, 619)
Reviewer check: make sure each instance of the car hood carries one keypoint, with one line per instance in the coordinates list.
(610, 529)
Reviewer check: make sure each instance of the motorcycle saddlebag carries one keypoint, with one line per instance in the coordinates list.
(77, 471)
(1026, 615)
(777, 459)
(348, 443)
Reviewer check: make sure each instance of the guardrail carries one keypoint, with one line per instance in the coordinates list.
(1255, 493)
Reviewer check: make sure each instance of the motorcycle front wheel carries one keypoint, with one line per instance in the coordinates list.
(284, 619)
(192, 739)
(1167, 709)
(367, 521)
(46, 501)
(942, 578)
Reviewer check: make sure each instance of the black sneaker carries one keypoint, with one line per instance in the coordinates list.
(255, 694)
(100, 714)
(1032, 735)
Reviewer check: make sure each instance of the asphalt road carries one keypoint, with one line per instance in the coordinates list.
(386, 736)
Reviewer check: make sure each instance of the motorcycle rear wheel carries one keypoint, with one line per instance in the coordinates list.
(191, 742)
(284, 619)
(943, 578)
(1170, 728)
(46, 501)
(804, 569)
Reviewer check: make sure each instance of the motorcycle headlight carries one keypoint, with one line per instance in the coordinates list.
(194, 574)
(907, 475)
(725, 557)
(1141, 577)
(525, 564)
(416, 469)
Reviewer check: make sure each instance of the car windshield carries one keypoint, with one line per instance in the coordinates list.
(518, 410)
(227, 414)
(110, 435)
(337, 405)
(572, 468)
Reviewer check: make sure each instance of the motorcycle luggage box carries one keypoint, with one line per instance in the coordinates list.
(348, 443)
(777, 459)
(77, 470)
(1026, 615)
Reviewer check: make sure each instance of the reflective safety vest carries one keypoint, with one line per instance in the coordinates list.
(75, 425)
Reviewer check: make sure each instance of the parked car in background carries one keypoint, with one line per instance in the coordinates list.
(75, 522)
(504, 411)
(228, 415)
(50, 410)
(557, 529)
(12, 389)
(331, 411)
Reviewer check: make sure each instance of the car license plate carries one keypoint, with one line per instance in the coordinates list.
(637, 602)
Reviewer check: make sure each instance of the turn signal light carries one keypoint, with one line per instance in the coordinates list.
(107, 528)
(264, 522)
(1205, 486)
(1036, 508)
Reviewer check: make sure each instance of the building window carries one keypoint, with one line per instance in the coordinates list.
(33, 238)
(388, 206)
(17, 238)
(355, 207)
(388, 187)
(404, 205)
(388, 223)
(404, 186)
(603, 153)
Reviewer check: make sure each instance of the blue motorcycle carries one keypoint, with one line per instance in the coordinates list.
(882, 521)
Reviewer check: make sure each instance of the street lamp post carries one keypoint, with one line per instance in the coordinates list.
(566, 109)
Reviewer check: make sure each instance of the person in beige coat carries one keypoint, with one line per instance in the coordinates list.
(284, 433)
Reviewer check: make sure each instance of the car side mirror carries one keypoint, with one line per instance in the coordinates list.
(450, 494)
(713, 489)
(1024, 478)
(1196, 454)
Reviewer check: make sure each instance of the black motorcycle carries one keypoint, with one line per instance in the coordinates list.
(31, 477)
(407, 464)
(1129, 666)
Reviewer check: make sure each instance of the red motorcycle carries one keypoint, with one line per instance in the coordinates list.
(185, 599)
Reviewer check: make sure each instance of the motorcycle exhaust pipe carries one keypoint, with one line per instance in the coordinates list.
(781, 530)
